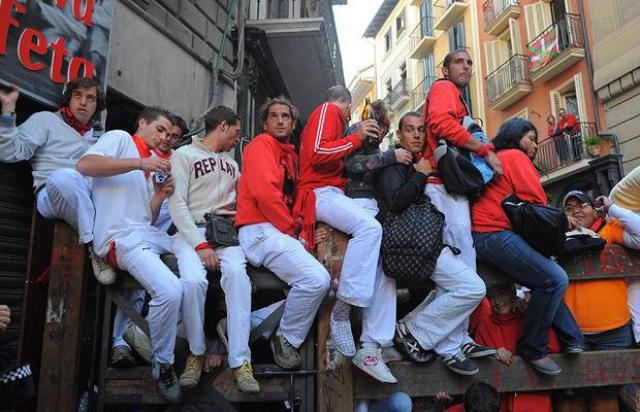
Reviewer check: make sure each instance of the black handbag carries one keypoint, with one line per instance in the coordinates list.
(219, 231)
(412, 243)
(542, 227)
(459, 175)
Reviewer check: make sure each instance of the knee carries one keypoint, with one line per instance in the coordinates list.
(400, 402)
(557, 282)
(472, 287)
(195, 283)
(62, 178)
(235, 276)
(171, 291)
(370, 228)
(318, 282)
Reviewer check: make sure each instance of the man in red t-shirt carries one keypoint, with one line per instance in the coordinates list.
(320, 197)
(568, 122)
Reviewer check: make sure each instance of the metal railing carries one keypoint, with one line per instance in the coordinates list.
(566, 147)
(397, 92)
(419, 93)
(446, 4)
(568, 31)
(423, 29)
(279, 9)
(492, 9)
(507, 75)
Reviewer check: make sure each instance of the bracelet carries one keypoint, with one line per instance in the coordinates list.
(202, 246)
(484, 150)
(7, 112)
(140, 164)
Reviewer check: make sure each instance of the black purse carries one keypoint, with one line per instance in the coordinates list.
(219, 231)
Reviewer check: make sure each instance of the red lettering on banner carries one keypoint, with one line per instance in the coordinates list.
(6, 20)
(85, 16)
(56, 60)
(31, 40)
(78, 63)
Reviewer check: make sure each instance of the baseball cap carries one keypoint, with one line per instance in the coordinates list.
(580, 195)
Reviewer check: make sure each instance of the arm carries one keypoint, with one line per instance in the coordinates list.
(398, 192)
(261, 170)
(21, 143)
(631, 223)
(441, 118)
(523, 177)
(102, 166)
(326, 136)
(178, 202)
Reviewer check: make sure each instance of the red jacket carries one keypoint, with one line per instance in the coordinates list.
(570, 122)
(261, 196)
(444, 112)
(519, 177)
(322, 160)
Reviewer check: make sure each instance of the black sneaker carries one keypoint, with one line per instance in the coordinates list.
(410, 346)
(472, 350)
(284, 354)
(167, 382)
(459, 364)
(121, 357)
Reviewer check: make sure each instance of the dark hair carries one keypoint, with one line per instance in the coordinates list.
(408, 114)
(501, 289)
(84, 83)
(481, 397)
(449, 56)
(217, 115)
(510, 133)
(338, 94)
(180, 123)
(151, 113)
(264, 110)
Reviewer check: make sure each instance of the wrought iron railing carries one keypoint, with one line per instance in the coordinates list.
(419, 93)
(279, 9)
(423, 29)
(566, 147)
(567, 32)
(397, 92)
(506, 76)
(492, 9)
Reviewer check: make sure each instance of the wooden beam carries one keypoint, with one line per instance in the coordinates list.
(334, 386)
(590, 369)
(61, 340)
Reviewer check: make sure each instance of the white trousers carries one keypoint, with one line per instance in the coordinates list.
(237, 289)
(139, 254)
(360, 263)
(121, 321)
(633, 293)
(264, 245)
(440, 322)
(379, 318)
(67, 196)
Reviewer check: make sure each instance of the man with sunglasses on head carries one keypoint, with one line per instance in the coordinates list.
(53, 142)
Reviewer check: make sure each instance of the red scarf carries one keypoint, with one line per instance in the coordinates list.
(598, 224)
(143, 149)
(162, 154)
(73, 122)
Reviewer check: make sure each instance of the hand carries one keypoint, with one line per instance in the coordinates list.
(424, 166)
(367, 128)
(574, 224)
(520, 305)
(155, 164)
(209, 258)
(494, 162)
(504, 356)
(605, 202)
(443, 397)
(5, 317)
(212, 361)
(8, 98)
(403, 156)
(320, 235)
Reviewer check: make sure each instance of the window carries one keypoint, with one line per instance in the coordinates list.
(522, 114)
(387, 41)
(429, 70)
(403, 72)
(426, 18)
(400, 25)
(537, 17)
(388, 86)
(456, 37)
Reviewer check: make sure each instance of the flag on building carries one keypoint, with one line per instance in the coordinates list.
(542, 51)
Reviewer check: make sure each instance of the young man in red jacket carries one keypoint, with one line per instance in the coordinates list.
(320, 197)
(268, 232)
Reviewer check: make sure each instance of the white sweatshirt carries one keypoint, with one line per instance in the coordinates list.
(205, 182)
(44, 139)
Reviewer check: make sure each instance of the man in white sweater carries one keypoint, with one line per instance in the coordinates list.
(53, 142)
(205, 179)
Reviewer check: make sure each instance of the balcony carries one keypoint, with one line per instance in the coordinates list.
(509, 83)
(452, 13)
(566, 149)
(419, 93)
(422, 38)
(304, 43)
(497, 14)
(398, 96)
(557, 48)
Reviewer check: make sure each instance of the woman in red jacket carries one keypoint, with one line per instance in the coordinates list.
(495, 242)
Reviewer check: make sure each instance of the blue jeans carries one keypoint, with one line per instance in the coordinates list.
(618, 338)
(398, 402)
(548, 283)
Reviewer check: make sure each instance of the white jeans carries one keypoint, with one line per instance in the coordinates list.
(121, 321)
(379, 318)
(67, 196)
(237, 289)
(360, 263)
(264, 245)
(139, 254)
(633, 293)
(440, 322)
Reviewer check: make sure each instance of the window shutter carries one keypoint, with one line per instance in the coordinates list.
(582, 112)
(489, 55)
(514, 31)
(530, 19)
(544, 15)
(556, 103)
(460, 42)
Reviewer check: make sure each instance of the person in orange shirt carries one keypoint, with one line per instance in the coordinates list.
(600, 306)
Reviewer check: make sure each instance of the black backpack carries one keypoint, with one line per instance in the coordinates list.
(412, 242)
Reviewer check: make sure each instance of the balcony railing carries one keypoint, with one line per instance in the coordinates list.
(452, 10)
(420, 91)
(507, 76)
(278, 9)
(564, 34)
(398, 93)
(558, 151)
(492, 9)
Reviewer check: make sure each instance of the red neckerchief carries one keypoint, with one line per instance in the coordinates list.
(598, 224)
(500, 318)
(73, 122)
(162, 154)
(143, 149)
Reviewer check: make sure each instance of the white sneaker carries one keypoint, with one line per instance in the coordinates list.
(139, 341)
(370, 361)
(342, 336)
(105, 274)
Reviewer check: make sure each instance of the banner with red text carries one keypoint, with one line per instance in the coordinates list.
(43, 44)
